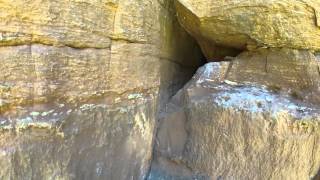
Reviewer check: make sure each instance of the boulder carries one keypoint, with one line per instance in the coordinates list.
(248, 24)
(293, 72)
(237, 127)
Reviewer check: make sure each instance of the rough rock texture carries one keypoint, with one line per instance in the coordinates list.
(251, 23)
(238, 127)
(81, 83)
(93, 141)
(164, 169)
(136, 36)
(281, 70)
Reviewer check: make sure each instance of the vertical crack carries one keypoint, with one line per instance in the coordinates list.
(266, 64)
(314, 7)
(228, 70)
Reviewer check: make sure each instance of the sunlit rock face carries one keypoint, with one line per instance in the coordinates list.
(134, 43)
(81, 83)
(251, 23)
(228, 126)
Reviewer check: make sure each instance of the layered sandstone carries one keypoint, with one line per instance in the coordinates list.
(250, 24)
(85, 85)
(81, 83)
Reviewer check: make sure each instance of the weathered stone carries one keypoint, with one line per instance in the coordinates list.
(121, 59)
(40, 73)
(271, 136)
(163, 169)
(90, 141)
(83, 83)
(74, 23)
(239, 128)
(281, 70)
(251, 23)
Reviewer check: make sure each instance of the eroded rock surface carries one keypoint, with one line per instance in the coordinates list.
(237, 127)
(251, 23)
(164, 169)
(91, 141)
(81, 83)
(282, 70)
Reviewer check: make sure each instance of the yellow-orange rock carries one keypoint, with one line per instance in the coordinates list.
(81, 83)
(251, 23)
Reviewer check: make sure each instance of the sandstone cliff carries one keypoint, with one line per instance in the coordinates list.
(81, 83)
(86, 89)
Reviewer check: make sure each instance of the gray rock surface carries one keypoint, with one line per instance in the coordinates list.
(90, 141)
(243, 129)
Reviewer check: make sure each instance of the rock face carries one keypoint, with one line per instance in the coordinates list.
(254, 114)
(93, 141)
(243, 127)
(293, 71)
(251, 23)
(85, 88)
(81, 83)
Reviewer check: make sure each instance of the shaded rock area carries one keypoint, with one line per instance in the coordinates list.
(238, 127)
(164, 169)
(249, 24)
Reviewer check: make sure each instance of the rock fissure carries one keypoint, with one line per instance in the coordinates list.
(266, 64)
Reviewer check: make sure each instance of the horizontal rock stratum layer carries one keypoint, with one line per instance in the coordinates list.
(76, 23)
(251, 23)
(228, 126)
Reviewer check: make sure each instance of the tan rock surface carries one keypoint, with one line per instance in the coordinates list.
(81, 83)
(251, 23)
(281, 70)
(143, 42)
(74, 23)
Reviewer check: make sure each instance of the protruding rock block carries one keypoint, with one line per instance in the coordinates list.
(251, 23)
(239, 127)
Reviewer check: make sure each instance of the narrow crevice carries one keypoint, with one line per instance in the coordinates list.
(317, 177)
(177, 70)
